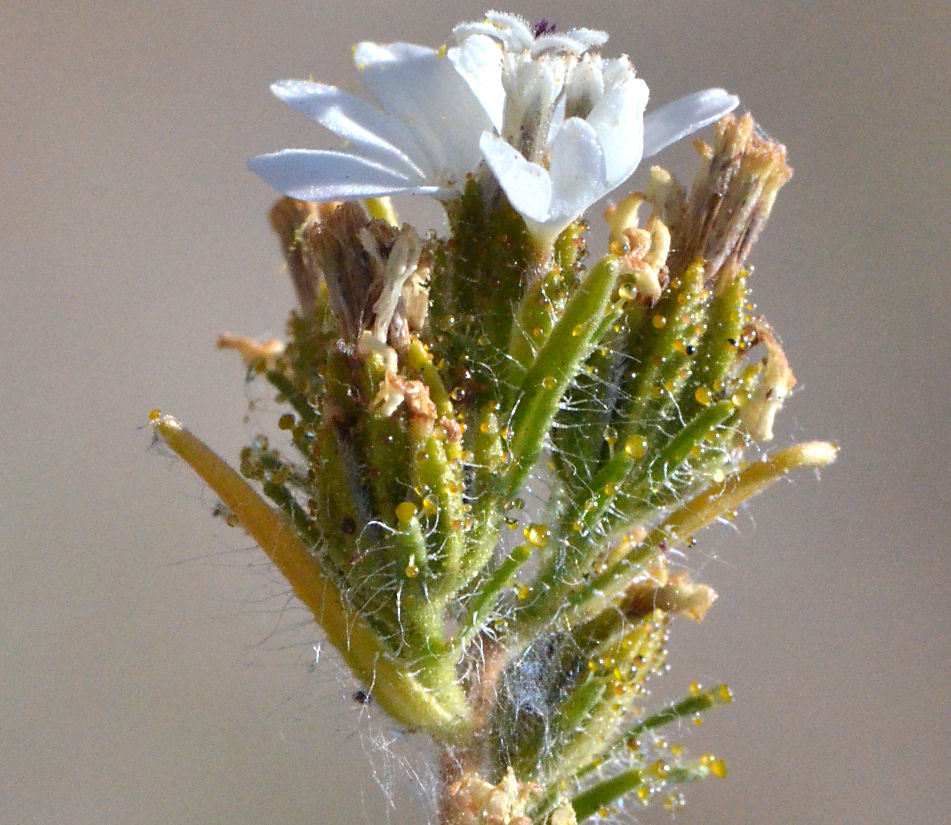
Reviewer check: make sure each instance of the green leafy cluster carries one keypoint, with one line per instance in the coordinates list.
(491, 492)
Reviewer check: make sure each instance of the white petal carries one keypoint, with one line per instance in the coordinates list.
(463, 30)
(527, 185)
(425, 91)
(589, 38)
(479, 60)
(310, 175)
(509, 30)
(618, 120)
(533, 89)
(577, 171)
(377, 135)
(515, 32)
(561, 43)
(680, 118)
(584, 85)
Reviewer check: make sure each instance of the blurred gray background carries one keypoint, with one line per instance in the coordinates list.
(153, 670)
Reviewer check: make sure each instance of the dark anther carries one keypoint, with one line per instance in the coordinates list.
(543, 27)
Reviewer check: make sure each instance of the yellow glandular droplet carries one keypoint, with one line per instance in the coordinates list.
(718, 768)
(724, 694)
(485, 428)
(674, 802)
(411, 570)
(635, 447)
(695, 688)
(538, 535)
(430, 505)
(738, 399)
(538, 332)
(155, 415)
(644, 794)
(627, 291)
(524, 592)
(679, 345)
(457, 394)
(718, 476)
(610, 488)
(549, 382)
(703, 396)
(659, 769)
(697, 720)
(405, 511)
(659, 321)
(577, 329)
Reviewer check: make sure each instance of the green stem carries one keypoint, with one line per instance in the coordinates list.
(554, 367)
(444, 715)
(697, 513)
(593, 799)
(604, 793)
(719, 695)
(487, 594)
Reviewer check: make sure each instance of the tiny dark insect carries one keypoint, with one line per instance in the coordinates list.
(362, 697)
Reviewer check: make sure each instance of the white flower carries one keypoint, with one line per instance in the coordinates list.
(425, 140)
(570, 125)
(558, 125)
